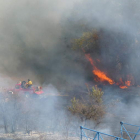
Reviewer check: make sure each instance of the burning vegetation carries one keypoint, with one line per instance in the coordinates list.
(102, 77)
(61, 44)
(108, 67)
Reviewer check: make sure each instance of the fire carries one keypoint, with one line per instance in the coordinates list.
(123, 87)
(128, 83)
(125, 84)
(90, 59)
(101, 76)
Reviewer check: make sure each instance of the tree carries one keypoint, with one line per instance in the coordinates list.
(91, 108)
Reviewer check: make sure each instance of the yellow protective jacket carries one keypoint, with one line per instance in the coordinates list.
(30, 83)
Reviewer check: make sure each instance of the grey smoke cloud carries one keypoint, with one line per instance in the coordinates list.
(32, 33)
(32, 41)
(30, 38)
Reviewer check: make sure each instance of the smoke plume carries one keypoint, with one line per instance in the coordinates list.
(36, 42)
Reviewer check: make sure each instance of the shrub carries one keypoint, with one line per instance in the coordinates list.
(91, 108)
(95, 94)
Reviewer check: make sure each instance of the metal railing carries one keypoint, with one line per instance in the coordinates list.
(96, 135)
(131, 135)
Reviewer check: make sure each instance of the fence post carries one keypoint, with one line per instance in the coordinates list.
(81, 132)
(98, 136)
(121, 129)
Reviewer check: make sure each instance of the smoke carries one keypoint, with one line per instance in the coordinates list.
(117, 26)
(36, 36)
(31, 39)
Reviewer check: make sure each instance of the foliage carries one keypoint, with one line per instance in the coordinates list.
(95, 94)
(88, 41)
(92, 108)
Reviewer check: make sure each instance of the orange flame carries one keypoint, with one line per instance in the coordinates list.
(101, 75)
(90, 59)
(128, 83)
(123, 87)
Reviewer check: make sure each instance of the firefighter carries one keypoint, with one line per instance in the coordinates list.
(23, 84)
(29, 83)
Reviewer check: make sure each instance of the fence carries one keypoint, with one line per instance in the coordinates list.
(130, 134)
(96, 135)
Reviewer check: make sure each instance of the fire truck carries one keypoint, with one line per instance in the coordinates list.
(28, 91)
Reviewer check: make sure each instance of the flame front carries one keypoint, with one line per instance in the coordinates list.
(101, 76)
(123, 87)
(128, 83)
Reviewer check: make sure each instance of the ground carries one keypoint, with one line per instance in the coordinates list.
(35, 136)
